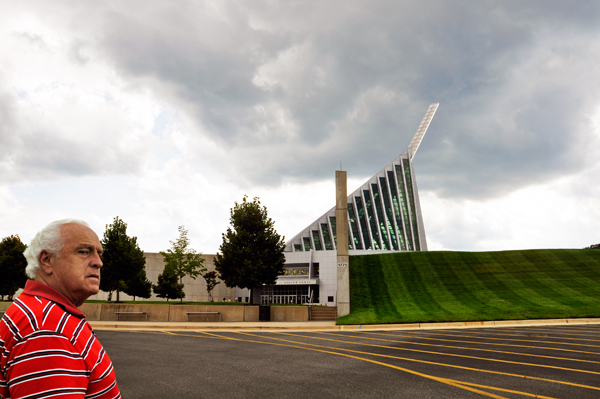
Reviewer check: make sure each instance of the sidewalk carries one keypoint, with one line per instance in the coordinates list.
(324, 325)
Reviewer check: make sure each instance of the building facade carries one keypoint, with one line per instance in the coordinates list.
(384, 215)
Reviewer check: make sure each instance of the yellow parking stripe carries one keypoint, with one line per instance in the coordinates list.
(441, 364)
(522, 334)
(503, 339)
(455, 383)
(486, 343)
(559, 333)
(203, 334)
(450, 354)
(468, 348)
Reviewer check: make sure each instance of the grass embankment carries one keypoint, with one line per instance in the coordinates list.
(467, 286)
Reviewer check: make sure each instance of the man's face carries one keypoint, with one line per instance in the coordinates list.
(76, 271)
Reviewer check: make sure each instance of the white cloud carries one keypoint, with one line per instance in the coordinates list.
(166, 113)
(561, 214)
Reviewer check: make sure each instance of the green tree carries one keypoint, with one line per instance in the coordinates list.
(140, 287)
(12, 266)
(124, 266)
(181, 260)
(211, 282)
(167, 286)
(252, 252)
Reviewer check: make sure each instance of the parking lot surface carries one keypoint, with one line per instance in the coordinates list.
(543, 362)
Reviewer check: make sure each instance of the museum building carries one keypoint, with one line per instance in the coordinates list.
(384, 215)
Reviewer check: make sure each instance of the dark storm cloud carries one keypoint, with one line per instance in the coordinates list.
(517, 83)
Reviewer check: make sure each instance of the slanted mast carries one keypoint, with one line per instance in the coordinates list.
(383, 214)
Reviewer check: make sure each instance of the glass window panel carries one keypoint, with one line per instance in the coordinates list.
(297, 248)
(307, 244)
(354, 227)
(326, 236)
(295, 271)
(317, 240)
(411, 200)
(404, 206)
(380, 218)
(372, 222)
(363, 222)
(391, 225)
(333, 229)
(397, 214)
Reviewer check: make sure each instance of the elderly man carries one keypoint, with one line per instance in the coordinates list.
(47, 348)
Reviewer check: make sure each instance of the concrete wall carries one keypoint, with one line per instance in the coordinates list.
(177, 313)
(195, 289)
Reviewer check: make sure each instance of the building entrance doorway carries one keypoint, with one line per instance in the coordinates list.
(298, 294)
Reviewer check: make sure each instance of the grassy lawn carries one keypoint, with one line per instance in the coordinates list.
(463, 286)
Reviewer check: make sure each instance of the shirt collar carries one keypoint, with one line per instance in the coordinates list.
(35, 288)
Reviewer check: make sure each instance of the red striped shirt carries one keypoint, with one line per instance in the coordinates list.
(48, 349)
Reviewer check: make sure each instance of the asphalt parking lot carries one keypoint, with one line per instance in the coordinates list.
(544, 362)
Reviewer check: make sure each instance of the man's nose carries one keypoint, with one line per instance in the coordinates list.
(97, 261)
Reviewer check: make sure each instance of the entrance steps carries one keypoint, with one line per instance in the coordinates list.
(323, 313)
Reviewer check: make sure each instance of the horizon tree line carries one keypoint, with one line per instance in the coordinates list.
(251, 255)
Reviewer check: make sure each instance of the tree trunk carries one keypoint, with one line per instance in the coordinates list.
(181, 293)
(117, 294)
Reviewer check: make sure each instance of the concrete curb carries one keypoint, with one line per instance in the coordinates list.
(325, 325)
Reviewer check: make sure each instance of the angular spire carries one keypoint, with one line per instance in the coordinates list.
(416, 140)
(383, 214)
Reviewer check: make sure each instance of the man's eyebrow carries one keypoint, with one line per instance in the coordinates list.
(90, 247)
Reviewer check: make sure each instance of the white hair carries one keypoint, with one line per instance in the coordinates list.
(50, 239)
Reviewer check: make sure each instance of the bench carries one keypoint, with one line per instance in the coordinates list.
(201, 313)
(144, 313)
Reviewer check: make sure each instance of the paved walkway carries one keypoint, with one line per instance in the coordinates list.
(322, 325)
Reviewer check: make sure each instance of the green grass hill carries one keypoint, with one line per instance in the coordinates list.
(440, 286)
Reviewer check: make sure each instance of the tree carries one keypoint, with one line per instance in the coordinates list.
(167, 286)
(181, 260)
(593, 246)
(124, 264)
(12, 266)
(252, 252)
(211, 282)
(140, 287)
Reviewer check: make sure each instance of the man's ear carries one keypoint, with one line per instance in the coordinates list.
(45, 261)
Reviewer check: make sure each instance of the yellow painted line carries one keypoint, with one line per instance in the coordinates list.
(523, 334)
(486, 343)
(502, 339)
(508, 390)
(454, 382)
(559, 333)
(468, 348)
(450, 354)
(438, 364)
(380, 355)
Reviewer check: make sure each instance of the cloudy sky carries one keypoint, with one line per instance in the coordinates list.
(166, 113)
